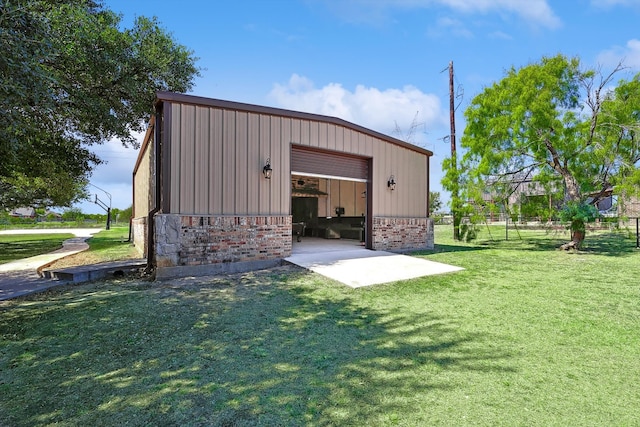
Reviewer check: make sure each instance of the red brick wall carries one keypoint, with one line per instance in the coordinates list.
(223, 239)
(402, 234)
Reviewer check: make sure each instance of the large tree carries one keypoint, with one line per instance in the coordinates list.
(72, 77)
(566, 127)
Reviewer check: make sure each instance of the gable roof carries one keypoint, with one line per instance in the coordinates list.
(259, 109)
(23, 212)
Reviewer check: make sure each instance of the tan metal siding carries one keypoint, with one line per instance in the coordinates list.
(187, 158)
(411, 178)
(217, 157)
(228, 163)
(142, 182)
(383, 200)
(314, 139)
(276, 180)
(253, 164)
(376, 179)
(407, 193)
(231, 147)
(368, 146)
(420, 183)
(328, 133)
(305, 136)
(215, 181)
(339, 142)
(265, 153)
(241, 166)
(201, 169)
(393, 167)
(285, 155)
(296, 131)
(410, 173)
(174, 150)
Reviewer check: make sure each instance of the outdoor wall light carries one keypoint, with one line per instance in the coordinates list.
(391, 183)
(266, 170)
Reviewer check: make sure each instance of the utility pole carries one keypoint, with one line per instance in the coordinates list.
(454, 193)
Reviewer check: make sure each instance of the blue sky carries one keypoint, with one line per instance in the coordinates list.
(381, 64)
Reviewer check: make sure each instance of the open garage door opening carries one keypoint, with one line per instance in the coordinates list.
(329, 199)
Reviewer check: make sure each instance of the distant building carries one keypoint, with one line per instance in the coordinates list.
(628, 210)
(23, 213)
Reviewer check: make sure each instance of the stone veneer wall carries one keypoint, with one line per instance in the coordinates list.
(402, 234)
(139, 231)
(207, 240)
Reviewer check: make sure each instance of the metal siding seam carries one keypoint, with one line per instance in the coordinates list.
(166, 159)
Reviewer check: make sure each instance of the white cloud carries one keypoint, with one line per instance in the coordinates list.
(535, 12)
(370, 107)
(628, 54)
(500, 35)
(611, 3)
(449, 26)
(119, 161)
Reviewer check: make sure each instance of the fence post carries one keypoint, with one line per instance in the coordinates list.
(506, 228)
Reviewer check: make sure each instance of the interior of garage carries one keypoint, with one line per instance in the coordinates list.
(328, 208)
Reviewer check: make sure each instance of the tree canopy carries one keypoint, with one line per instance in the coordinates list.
(72, 77)
(568, 128)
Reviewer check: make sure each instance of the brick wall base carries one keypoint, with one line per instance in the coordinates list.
(402, 234)
(192, 241)
(214, 244)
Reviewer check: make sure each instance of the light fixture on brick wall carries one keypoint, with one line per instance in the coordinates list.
(391, 183)
(266, 170)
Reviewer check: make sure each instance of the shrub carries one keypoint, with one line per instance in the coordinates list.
(577, 215)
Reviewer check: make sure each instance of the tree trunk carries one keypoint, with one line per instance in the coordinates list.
(577, 237)
(572, 194)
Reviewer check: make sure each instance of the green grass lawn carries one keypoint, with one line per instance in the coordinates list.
(525, 335)
(18, 246)
(107, 245)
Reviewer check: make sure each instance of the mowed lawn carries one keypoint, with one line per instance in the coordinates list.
(525, 335)
(18, 246)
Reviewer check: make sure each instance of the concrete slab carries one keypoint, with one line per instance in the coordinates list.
(356, 267)
(87, 273)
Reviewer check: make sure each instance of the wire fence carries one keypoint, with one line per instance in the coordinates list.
(502, 227)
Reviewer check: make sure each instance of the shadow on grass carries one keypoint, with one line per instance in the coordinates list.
(450, 248)
(606, 244)
(599, 243)
(13, 247)
(269, 348)
(610, 244)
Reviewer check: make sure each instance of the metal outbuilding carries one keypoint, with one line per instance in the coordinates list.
(225, 186)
